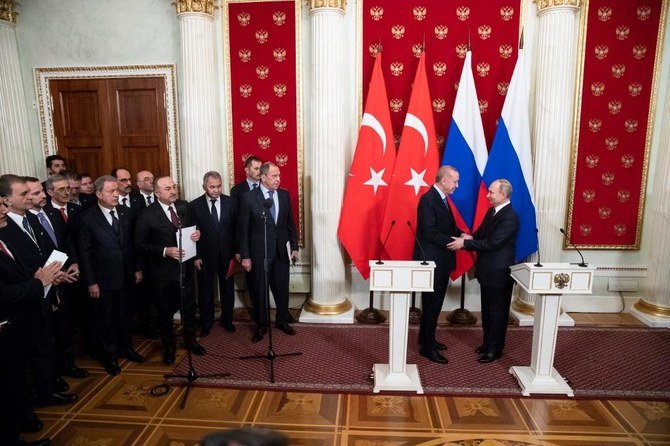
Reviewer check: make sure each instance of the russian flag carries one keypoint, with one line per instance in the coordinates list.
(466, 151)
(511, 158)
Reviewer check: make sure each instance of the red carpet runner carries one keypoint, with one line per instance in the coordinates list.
(601, 363)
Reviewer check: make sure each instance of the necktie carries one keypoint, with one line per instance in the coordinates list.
(124, 201)
(47, 227)
(28, 229)
(149, 200)
(116, 227)
(215, 217)
(273, 208)
(62, 212)
(174, 218)
(255, 186)
(4, 249)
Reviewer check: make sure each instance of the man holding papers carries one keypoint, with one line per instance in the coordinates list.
(110, 268)
(156, 240)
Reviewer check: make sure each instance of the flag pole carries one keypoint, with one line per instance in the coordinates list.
(462, 316)
(370, 315)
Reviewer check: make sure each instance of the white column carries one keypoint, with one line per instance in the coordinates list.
(16, 153)
(201, 148)
(654, 308)
(558, 29)
(328, 302)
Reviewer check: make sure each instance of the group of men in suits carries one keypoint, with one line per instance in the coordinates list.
(494, 242)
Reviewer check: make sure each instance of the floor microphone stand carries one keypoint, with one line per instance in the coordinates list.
(192, 375)
(270, 355)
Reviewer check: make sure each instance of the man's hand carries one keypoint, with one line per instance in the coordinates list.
(94, 291)
(238, 257)
(198, 264)
(456, 244)
(196, 235)
(174, 253)
(73, 270)
(246, 264)
(48, 274)
(138, 276)
(466, 236)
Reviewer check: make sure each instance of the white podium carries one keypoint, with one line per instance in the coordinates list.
(400, 278)
(551, 281)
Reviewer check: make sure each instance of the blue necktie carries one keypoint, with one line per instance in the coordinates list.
(273, 208)
(47, 227)
(28, 229)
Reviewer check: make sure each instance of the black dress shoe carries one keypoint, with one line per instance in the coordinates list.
(433, 355)
(169, 354)
(481, 349)
(132, 356)
(42, 442)
(61, 384)
(489, 357)
(286, 328)
(56, 399)
(439, 346)
(74, 372)
(196, 348)
(258, 334)
(228, 326)
(31, 423)
(111, 367)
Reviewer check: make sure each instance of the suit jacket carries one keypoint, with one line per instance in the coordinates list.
(217, 242)
(87, 200)
(495, 242)
(105, 258)
(435, 227)
(31, 255)
(137, 202)
(64, 235)
(251, 231)
(153, 233)
(73, 210)
(20, 296)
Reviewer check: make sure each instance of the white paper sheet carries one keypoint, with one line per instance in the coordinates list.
(187, 245)
(56, 256)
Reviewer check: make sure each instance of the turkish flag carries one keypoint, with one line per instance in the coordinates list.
(369, 177)
(414, 172)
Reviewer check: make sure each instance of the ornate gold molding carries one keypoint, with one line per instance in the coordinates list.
(327, 310)
(652, 309)
(197, 6)
(317, 4)
(543, 5)
(8, 11)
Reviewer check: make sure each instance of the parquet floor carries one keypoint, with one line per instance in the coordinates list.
(118, 410)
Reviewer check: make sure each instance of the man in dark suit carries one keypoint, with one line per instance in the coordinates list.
(20, 326)
(109, 266)
(76, 196)
(215, 215)
(435, 227)
(144, 196)
(156, 233)
(31, 246)
(125, 185)
(55, 165)
(252, 180)
(494, 243)
(58, 188)
(268, 208)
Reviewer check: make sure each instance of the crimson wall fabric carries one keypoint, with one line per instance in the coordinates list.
(262, 62)
(616, 101)
(402, 27)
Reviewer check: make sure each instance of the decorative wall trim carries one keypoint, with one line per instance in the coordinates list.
(45, 107)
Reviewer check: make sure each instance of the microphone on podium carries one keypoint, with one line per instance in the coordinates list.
(379, 260)
(538, 264)
(416, 239)
(583, 264)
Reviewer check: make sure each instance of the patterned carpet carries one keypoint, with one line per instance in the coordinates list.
(598, 362)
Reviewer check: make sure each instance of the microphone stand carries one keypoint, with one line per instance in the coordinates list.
(192, 375)
(270, 355)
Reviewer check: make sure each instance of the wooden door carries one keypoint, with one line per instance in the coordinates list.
(101, 124)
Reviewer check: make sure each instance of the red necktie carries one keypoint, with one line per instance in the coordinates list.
(174, 218)
(62, 212)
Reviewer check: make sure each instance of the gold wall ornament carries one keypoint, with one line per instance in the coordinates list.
(196, 6)
(317, 4)
(543, 5)
(8, 11)
(561, 280)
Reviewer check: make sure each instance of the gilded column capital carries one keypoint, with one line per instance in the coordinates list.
(196, 6)
(323, 4)
(8, 11)
(545, 5)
